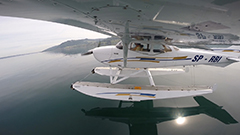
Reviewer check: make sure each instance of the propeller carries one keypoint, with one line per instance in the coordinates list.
(88, 52)
(91, 51)
(99, 43)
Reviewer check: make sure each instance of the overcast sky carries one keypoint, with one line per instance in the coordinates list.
(19, 35)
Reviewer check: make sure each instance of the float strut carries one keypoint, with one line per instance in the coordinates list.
(115, 81)
(150, 77)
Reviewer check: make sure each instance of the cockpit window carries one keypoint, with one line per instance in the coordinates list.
(152, 48)
(161, 49)
(119, 45)
(140, 47)
(167, 48)
(158, 49)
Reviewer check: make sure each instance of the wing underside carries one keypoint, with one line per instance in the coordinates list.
(198, 20)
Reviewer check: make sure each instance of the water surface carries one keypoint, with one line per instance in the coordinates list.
(35, 98)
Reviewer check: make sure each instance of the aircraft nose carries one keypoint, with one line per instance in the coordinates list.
(102, 54)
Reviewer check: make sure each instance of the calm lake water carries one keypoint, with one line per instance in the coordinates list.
(35, 98)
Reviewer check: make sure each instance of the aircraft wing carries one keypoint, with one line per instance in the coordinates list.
(215, 111)
(187, 22)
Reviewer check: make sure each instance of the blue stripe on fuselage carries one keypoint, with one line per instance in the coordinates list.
(147, 59)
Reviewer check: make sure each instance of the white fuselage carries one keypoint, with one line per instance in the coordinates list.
(113, 56)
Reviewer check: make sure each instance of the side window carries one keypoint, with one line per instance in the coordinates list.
(158, 49)
(140, 47)
(134, 46)
(146, 48)
(161, 49)
(167, 48)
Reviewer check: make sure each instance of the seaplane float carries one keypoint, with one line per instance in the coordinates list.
(147, 58)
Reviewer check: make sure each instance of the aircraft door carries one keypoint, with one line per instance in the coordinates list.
(161, 55)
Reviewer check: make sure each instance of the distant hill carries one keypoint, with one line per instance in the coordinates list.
(81, 46)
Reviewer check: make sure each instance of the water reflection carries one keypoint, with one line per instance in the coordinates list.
(142, 118)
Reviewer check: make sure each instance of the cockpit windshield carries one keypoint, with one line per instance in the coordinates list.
(119, 45)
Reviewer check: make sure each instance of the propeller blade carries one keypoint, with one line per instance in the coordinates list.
(87, 53)
(99, 44)
(91, 51)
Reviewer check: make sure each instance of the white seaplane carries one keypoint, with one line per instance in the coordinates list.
(148, 58)
(144, 50)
